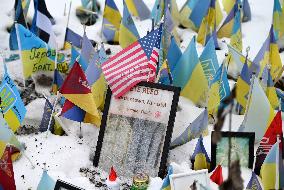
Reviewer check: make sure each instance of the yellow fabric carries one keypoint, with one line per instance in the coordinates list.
(242, 92)
(184, 17)
(126, 38)
(98, 90)
(236, 41)
(200, 162)
(2, 149)
(201, 37)
(67, 45)
(12, 120)
(228, 5)
(214, 98)
(84, 101)
(96, 120)
(226, 30)
(196, 88)
(272, 97)
(131, 7)
(278, 23)
(112, 16)
(268, 171)
(275, 61)
(32, 65)
(219, 14)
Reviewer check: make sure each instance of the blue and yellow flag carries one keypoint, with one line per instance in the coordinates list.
(189, 75)
(200, 157)
(11, 105)
(157, 11)
(166, 181)
(236, 35)
(111, 22)
(73, 38)
(57, 81)
(174, 54)
(208, 26)
(164, 75)
(186, 11)
(46, 182)
(47, 111)
(199, 127)
(272, 173)
(138, 8)
(128, 33)
(26, 5)
(209, 61)
(75, 55)
(243, 86)
(271, 92)
(278, 20)
(96, 80)
(268, 55)
(228, 24)
(102, 55)
(36, 55)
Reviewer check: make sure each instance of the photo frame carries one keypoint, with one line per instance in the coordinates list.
(184, 181)
(242, 148)
(62, 185)
(136, 130)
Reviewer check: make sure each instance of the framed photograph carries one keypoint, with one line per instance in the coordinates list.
(62, 185)
(187, 181)
(242, 149)
(136, 130)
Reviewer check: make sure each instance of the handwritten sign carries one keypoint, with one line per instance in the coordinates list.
(144, 103)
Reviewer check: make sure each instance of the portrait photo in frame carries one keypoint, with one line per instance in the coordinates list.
(185, 181)
(242, 149)
(62, 185)
(136, 130)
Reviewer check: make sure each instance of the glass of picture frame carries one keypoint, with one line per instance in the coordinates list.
(242, 148)
(136, 130)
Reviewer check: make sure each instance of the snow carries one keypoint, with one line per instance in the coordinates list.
(65, 155)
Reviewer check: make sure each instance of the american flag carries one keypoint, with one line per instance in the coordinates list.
(136, 63)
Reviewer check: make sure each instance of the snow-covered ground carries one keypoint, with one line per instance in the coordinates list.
(65, 155)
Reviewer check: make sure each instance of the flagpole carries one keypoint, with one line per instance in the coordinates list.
(64, 13)
(50, 119)
(277, 164)
(80, 133)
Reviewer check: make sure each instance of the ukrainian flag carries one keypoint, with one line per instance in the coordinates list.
(111, 22)
(259, 114)
(243, 86)
(174, 54)
(228, 24)
(208, 26)
(25, 5)
(74, 55)
(46, 182)
(209, 61)
(269, 55)
(157, 11)
(186, 11)
(271, 92)
(164, 74)
(11, 105)
(200, 156)
(278, 20)
(128, 33)
(189, 75)
(236, 35)
(138, 8)
(96, 80)
(214, 92)
(272, 169)
(36, 55)
(166, 181)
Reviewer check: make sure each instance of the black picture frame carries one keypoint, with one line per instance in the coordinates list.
(169, 128)
(249, 135)
(62, 185)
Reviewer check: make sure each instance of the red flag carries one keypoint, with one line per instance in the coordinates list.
(7, 181)
(112, 176)
(217, 175)
(268, 140)
(136, 63)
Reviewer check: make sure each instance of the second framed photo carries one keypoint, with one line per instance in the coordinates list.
(242, 148)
